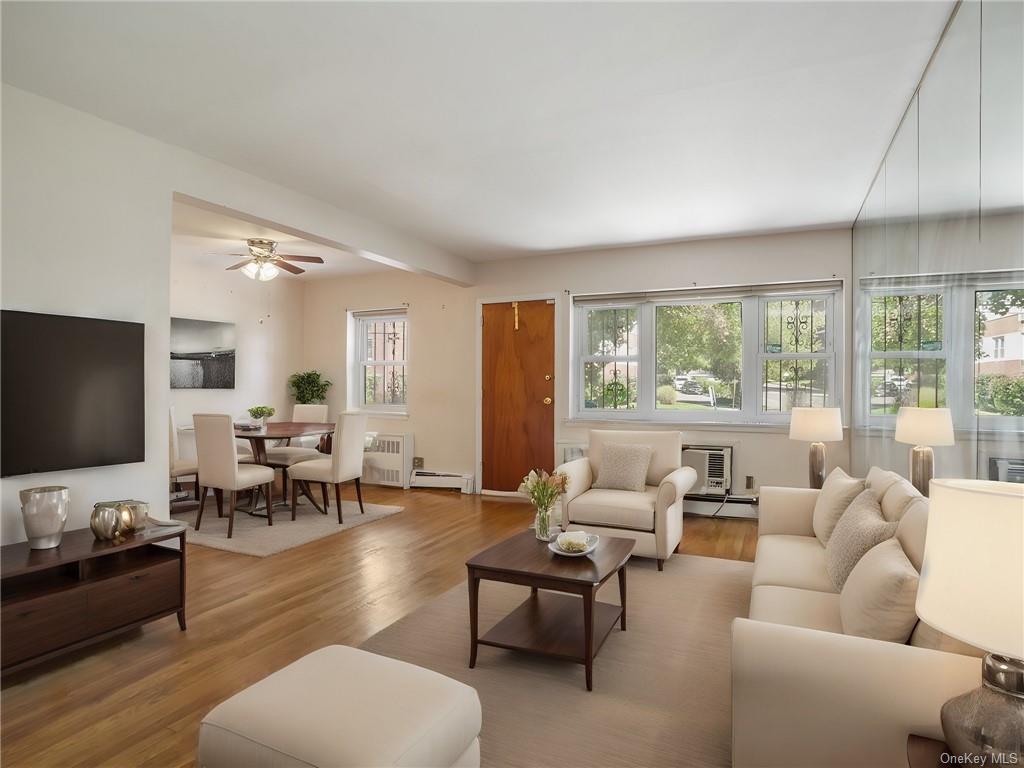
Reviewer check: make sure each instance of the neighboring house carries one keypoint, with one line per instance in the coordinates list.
(1002, 346)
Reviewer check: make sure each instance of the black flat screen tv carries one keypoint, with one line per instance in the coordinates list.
(73, 392)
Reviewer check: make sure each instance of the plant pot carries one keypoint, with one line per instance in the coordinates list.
(45, 512)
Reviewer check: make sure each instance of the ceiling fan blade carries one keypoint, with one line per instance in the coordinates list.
(239, 265)
(289, 267)
(293, 257)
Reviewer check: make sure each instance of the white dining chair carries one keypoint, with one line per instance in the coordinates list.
(179, 467)
(219, 467)
(285, 456)
(343, 465)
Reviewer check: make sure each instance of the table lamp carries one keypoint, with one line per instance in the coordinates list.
(923, 428)
(972, 588)
(817, 426)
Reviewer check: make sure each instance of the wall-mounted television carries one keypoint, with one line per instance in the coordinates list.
(73, 392)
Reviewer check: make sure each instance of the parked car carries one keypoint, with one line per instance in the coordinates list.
(692, 387)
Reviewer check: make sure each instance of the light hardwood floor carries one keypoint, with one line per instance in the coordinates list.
(138, 700)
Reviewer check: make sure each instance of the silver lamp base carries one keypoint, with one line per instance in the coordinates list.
(922, 467)
(817, 465)
(988, 722)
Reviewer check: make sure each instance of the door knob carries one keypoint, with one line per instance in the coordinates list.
(547, 401)
(547, 377)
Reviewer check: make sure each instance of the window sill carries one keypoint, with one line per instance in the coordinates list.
(700, 426)
(393, 415)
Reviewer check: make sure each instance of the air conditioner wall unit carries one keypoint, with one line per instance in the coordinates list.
(713, 465)
(387, 459)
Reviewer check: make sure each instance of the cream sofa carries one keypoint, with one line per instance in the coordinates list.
(804, 693)
(653, 518)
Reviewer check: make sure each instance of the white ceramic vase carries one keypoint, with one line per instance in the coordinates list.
(45, 513)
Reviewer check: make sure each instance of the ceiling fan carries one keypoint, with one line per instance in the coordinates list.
(265, 263)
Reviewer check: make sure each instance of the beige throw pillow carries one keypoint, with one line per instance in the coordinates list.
(859, 529)
(878, 598)
(833, 499)
(623, 467)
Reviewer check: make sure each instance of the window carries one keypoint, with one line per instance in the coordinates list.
(383, 346)
(733, 356)
(796, 353)
(999, 347)
(611, 358)
(950, 341)
(908, 360)
(699, 356)
(999, 354)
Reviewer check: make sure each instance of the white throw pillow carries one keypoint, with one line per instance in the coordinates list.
(878, 598)
(623, 467)
(835, 496)
(859, 529)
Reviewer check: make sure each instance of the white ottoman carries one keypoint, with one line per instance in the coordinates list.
(340, 707)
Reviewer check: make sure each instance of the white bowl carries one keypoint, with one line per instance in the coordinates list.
(592, 542)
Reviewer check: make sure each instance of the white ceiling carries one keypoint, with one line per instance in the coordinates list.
(213, 239)
(496, 129)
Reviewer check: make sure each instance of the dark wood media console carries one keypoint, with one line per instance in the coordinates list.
(56, 600)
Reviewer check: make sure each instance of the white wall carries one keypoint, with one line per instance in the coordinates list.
(268, 321)
(87, 231)
(442, 385)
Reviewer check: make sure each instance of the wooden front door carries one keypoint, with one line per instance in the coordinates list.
(518, 392)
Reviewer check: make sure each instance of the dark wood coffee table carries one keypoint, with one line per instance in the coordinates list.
(549, 624)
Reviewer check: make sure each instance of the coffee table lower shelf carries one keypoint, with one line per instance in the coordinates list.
(551, 624)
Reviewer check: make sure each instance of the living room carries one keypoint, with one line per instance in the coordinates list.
(723, 269)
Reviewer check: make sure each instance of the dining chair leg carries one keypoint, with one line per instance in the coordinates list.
(196, 488)
(270, 506)
(253, 498)
(219, 494)
(202, 503)
(337, 498)
(284, 484)
(327, 503)
(295, 496)
(232, 498)
(359, 495)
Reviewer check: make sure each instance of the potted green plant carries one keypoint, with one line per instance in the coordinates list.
(308, 387)
(260, 413)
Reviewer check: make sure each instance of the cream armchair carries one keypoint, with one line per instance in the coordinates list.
(653, 517)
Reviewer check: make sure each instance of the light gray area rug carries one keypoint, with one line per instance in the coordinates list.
(661, 689)
(252, 535)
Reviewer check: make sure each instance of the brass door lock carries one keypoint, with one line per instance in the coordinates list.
(547, 401)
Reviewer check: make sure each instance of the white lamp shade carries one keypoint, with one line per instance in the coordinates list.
(815, 425)
(924, 426)
(972, 576)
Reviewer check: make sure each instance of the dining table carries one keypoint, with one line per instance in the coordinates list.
(287, 431)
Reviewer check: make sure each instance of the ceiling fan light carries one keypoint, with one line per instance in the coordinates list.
(268, 272)
(251, 270)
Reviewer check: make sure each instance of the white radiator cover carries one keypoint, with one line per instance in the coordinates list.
(387, 459)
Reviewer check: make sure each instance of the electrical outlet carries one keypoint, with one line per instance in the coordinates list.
(417, 462)
(750, 482)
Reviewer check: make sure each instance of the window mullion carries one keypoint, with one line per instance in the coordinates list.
(647, 383)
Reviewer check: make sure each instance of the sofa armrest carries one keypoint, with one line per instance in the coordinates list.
(580, 478)
(801, 697)
(786, 510)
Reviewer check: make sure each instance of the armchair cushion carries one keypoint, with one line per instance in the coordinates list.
(619, 509)
(666, 447)
(623, 467)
